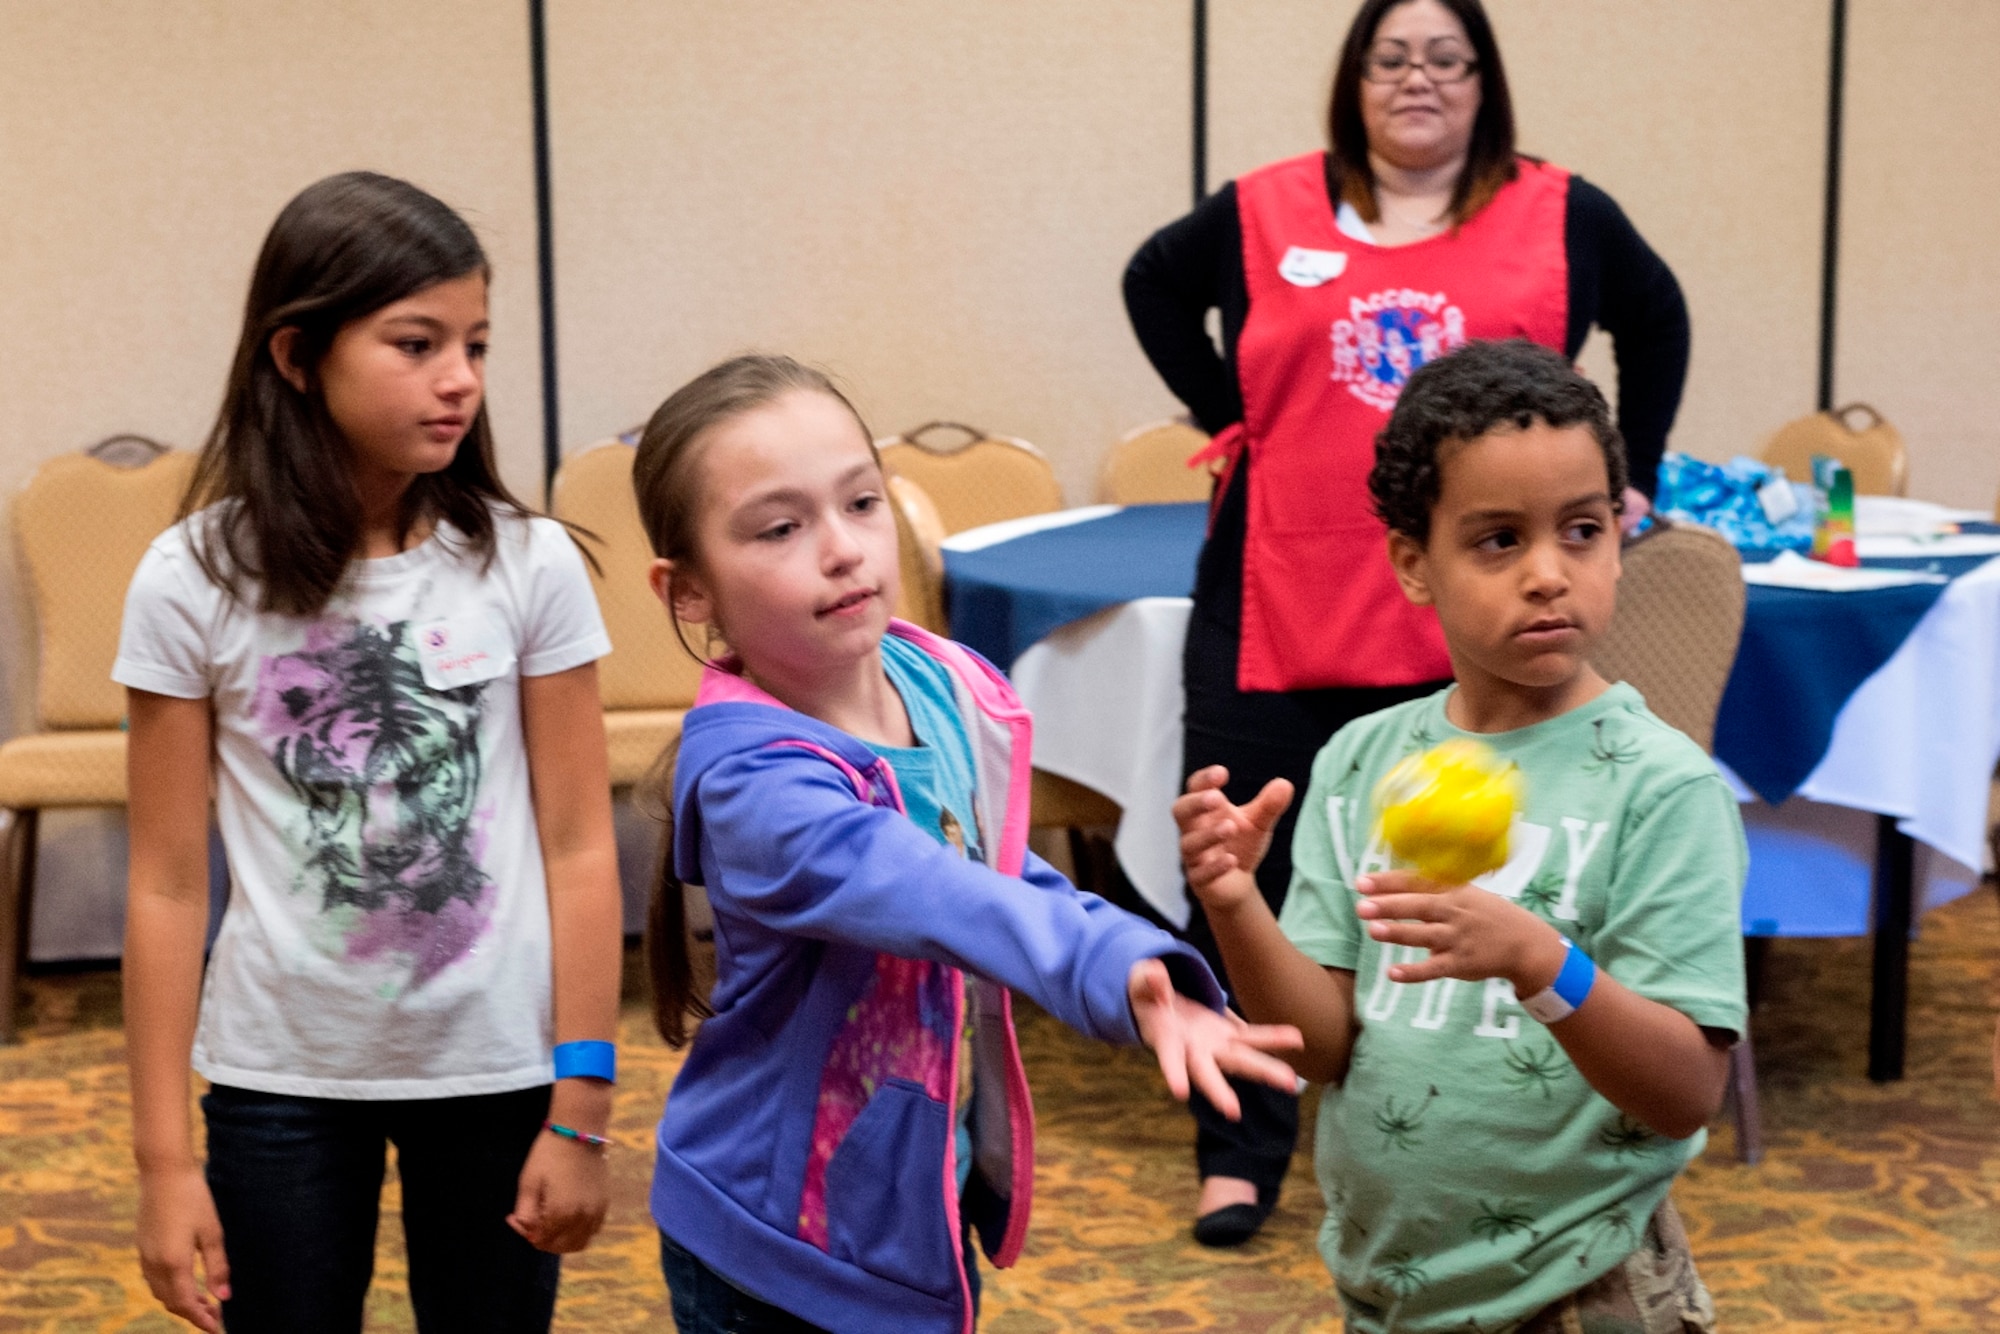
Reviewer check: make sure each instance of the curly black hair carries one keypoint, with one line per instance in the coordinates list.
(1460, 397)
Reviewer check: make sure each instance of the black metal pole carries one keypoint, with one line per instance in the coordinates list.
(545, 246)
(1829, 274)
(1200, 100)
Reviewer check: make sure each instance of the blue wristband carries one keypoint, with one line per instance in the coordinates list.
(1569, 990)
(1577, 977)
(587, 1060)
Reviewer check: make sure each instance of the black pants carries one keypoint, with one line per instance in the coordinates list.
(1258, 736)
(298, 1181)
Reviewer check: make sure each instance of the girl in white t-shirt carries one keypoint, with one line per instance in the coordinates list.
(384, 668)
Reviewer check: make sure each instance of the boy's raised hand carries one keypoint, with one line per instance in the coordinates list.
(1471, 934)
(1222, 843)
(1198, 1045)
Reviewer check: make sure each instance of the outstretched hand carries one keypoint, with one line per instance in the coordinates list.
(1197, 1046)
(1222, 844)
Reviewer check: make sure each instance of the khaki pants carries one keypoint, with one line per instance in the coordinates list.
(1655, 1291)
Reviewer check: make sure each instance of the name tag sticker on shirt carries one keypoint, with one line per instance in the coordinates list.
(458, 652)
(1309, 268)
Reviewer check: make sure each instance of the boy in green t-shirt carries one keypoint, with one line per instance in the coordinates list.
(1494, 1163)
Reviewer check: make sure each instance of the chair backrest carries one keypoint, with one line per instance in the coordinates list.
(919, 538)
(1873, 452)
(83, 526)
(647, 667)
(1149, 466)
(1680, 613)
(980, 480)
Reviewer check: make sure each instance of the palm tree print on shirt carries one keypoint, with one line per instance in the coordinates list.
(388, 771)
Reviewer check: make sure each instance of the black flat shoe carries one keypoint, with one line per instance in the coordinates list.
(1231, 1225)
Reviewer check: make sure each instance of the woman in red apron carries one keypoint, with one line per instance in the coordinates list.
(1336, 274)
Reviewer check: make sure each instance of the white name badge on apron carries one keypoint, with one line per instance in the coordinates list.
(1309, 268)
(459, 651)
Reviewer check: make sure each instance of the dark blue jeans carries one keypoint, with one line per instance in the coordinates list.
(707, 1303)
(298, 1181)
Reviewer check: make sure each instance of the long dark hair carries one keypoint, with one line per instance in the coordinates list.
(666, 476)
(1489, 160)
(343, 248)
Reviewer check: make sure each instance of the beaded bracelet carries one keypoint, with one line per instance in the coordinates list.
(581, 1137)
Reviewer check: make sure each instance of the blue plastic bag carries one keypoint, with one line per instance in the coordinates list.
(1726, 498)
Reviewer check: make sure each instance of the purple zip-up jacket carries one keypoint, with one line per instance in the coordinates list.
(807, 1151)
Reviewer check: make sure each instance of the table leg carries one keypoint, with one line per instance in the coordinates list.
(1895, 875)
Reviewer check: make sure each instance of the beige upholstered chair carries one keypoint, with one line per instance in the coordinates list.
(919, 538)
(1874, 452)
(1680, 614)
(648, 680)
(1149, 466)
(980, 479)
(83, 524)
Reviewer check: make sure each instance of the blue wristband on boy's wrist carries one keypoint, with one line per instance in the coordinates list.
(587, 1060)
(1568, 992)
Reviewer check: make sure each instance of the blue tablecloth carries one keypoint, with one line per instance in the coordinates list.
(1003, 599)
(1803, 653)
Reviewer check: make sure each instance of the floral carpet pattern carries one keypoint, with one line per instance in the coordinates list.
(1876, 1208)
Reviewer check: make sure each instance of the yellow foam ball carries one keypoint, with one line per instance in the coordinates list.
(1446, 812)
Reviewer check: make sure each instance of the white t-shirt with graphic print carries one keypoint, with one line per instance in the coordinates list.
(388, 925)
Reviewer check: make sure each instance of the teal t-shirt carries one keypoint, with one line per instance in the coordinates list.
(1471, 1175)
(936, 777)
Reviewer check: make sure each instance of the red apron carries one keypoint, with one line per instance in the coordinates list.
(1335, 327)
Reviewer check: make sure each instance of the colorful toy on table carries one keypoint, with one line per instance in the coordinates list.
(1833, 527)
(1446, 811)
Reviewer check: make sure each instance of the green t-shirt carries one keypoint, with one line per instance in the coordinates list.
(1471, 1175)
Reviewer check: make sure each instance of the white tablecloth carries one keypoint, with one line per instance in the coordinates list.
(1917, 741)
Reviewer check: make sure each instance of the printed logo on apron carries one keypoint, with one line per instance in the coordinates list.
(1388, 335)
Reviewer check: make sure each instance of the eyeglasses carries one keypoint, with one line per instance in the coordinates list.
(1393, 65)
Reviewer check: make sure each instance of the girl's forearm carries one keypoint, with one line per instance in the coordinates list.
(166, 916)
(1276, 984)
(162, 979)
(586, 924)
(1649, 1060)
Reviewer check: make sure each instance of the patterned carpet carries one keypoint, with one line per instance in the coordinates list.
(1874, 1210)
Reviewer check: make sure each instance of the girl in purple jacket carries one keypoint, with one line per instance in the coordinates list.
(853, 794)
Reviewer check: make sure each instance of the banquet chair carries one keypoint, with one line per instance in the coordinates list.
(83, 522)
(1680, 613)
(648, 681)
(1874, 453)
(980, 479)
(1149, 466)
(920, 555)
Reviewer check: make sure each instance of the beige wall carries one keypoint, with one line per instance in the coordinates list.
(935, 201)
(1704, 119)
(1919, 270)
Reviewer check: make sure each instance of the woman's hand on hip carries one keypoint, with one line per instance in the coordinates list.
(177, 1222)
